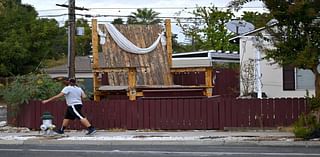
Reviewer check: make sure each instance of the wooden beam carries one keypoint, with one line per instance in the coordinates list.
(169, 41)
(208, 77)
(96, 85)
(95, 54)
(189, 69)
(132, 82)
(113, 69)
(95, 44)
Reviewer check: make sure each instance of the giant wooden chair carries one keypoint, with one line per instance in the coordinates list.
(136, 74)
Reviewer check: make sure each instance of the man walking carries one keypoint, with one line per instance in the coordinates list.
(73, 95)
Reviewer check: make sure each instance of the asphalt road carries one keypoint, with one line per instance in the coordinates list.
(156, 151)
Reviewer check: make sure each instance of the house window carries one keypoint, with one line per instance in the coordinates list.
(295, 79)
(305, 79)
(288, 78)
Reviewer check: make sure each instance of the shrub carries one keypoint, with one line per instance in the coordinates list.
(308, 125)
(305, 126)
(313, 102)
(30, 87)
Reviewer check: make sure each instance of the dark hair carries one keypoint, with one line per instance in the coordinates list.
(72, 82)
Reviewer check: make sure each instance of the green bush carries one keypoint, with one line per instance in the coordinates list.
(30, 87)
(308, 125)
(313, 102)
(305, 126)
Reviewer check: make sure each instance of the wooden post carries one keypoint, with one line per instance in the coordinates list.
(169, 41)
(132, 83)
(96, 85)
(95, 44)
(95, 64)
(208, 75)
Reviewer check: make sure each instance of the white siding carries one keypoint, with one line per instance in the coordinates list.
(192, 62)
(272, 81)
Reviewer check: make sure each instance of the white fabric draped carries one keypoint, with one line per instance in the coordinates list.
(126, 44)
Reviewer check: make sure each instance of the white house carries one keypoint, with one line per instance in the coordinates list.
(275, 81)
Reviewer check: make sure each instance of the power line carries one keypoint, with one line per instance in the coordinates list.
(106, 15)
(158, 8)
(168, 7)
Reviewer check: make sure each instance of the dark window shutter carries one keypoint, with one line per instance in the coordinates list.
(288, 78)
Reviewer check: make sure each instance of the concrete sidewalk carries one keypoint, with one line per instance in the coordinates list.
(199, 137)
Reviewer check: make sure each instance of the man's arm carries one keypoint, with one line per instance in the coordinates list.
(83, 95)
(52, 98)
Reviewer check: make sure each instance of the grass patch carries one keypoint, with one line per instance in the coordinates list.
(52, 62)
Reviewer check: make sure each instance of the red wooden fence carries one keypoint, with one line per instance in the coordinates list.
(172, 113)
(226, 81)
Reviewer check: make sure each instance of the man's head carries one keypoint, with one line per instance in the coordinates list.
(72, 82)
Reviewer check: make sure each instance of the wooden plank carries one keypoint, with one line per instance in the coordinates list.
(193, 120)
(38, 113)
(99, 114)
(157, 105)
(170, 114)
(175, 119)
(129, 120)
(222, 115)
(163, 114)
(268, 112)
(118, 114)
(140, 115)
(146, 114)
(152, 112)
(28, 119)
(208, 80)
(204, 117)
(169, 41)
(229, 114)
(95, 55)
(255, 112)
(234, 113)
(210, 113)
(132, 84)
(134, 117)
(216, 102)
(188, 69)
(187, 114)
(279, 112)
(244, 114)
(180, 110)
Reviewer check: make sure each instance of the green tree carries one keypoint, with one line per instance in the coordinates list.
(179, 47)
(257, 19)
(117, 21)
(296, 37)
(144, 16)
(207, 30)
(24, 40)
(1, 6)
(83, 42)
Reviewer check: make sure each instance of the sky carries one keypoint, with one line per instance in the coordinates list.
(166, 8)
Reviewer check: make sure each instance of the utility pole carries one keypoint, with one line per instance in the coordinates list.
(71, 35)
(71, 39)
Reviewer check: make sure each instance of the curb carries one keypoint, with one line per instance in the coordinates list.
(159, 142)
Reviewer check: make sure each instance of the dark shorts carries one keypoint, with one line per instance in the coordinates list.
(74, 112)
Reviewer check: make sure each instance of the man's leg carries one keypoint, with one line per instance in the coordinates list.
(90, 128)
(85, 122)
(65, 123)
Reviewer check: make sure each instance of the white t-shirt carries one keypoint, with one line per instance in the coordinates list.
(72, 95)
